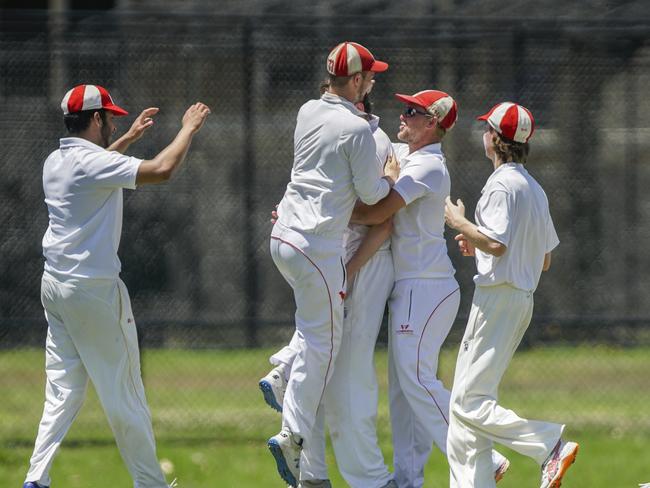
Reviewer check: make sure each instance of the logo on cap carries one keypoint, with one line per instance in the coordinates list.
(89, 97)
(437, 103)
(349, 58)
(511, 120)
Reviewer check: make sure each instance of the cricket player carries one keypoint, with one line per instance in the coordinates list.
(426, 296)
(350, 400)
(91, 331)
(512, 241)
(334, 164)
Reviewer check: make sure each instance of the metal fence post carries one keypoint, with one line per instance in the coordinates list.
(247, 179)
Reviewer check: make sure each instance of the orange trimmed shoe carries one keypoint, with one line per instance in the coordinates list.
(501, 470)
(558, 462)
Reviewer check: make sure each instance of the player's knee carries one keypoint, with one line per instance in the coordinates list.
(472, 408)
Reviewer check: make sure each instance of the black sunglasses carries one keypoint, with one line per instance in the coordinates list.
(412, 111)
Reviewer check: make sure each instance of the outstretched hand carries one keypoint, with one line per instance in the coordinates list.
(195, 116)
(142, 123)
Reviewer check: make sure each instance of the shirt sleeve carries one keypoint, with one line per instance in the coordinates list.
(493, 216)
(419, 177)
(110, 169)
(366, 175)
(552, 239)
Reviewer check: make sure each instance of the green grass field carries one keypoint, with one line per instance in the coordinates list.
(211, 422)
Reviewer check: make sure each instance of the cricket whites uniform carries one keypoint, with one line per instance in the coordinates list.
(423, 306)
(334, 164)
(514, 211)
(91, 330)
(350, 399)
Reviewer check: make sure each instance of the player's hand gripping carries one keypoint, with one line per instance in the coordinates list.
(466, 247)
(391, 167)
(195, 117)
(141, 123)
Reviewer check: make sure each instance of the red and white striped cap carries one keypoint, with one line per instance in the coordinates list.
(436, 103)
(89, 97)
(511, 120)
(349, 58)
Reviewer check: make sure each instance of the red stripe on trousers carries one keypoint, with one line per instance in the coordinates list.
(418, 363)
(329, 296)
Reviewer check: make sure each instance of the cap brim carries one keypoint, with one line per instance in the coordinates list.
(115, 110)
(483, 117)
(409, 99)
(378, 66)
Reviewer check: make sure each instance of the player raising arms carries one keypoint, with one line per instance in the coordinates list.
(334, 164)
(426, 296)
(91, 330)
(512, 241)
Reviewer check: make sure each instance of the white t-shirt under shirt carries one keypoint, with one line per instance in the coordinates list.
(418, 242)
(334, 164)
(354, 234)
(513, 210)
(83, 185)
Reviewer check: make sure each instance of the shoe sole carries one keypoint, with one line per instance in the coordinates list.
(269, 396)
(498, 476)
(283, 468)
(566, 464)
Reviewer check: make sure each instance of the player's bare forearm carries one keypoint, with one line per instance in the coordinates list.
(455, 218)
(479, 240)
(135, 132)
(547, 262)
(122, 144)
(379, 212)
(372, 241)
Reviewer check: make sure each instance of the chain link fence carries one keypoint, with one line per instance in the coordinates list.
(209, 303)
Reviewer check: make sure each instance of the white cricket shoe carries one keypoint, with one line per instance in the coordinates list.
(286, 449)
(558, 462)
(273, 386)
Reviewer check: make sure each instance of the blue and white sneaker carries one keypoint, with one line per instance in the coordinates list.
(33, 484)
(273, 386)
(286, 449)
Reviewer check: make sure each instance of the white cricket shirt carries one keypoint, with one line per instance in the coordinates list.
(354, 234)
(334, 163)
(513, 210)
(418, 242)
(83, 185)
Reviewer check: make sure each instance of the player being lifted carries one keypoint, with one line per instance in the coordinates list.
(334, 164)
(349, 403)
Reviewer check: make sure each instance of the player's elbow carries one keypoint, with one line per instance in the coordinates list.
(497, 249)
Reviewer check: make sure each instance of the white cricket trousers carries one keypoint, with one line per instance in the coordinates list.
(497, 322)
(92, 334)
(350, 401)
(422, 312)
(313, 266)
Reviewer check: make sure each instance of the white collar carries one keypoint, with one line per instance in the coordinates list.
(335, 99)
(68, 142)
